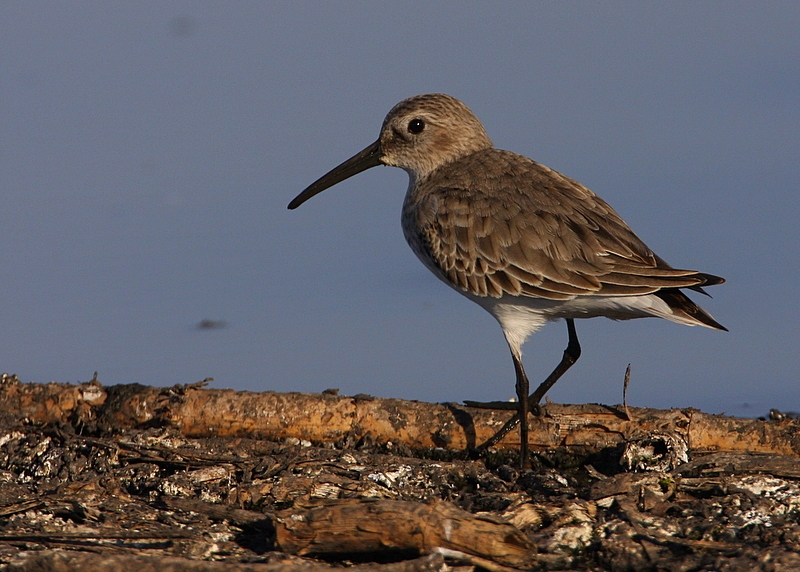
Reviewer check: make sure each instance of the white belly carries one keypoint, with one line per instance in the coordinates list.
(521, 316)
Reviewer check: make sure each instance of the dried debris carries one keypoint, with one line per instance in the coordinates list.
(82, 495)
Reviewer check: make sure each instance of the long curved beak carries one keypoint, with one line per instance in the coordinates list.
(366, 159)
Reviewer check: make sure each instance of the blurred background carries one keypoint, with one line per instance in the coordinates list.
(148, 151)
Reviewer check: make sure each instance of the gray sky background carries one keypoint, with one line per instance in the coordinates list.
(148, 151)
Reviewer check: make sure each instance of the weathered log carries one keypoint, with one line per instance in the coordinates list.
(327, 418)
(381, 526)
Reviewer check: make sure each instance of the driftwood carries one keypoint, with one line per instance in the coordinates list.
(188, 479)
(406, 527)
(328, 418)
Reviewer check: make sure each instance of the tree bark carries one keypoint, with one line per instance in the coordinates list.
(325, 418)
(390, 526)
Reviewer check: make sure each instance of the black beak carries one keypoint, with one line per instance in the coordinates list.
(366, 159)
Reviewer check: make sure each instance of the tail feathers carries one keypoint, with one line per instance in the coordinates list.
(681, 305)
(708, 280)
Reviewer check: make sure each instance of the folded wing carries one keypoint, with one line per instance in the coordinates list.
(551, 239)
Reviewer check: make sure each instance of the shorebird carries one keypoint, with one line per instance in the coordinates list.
(523, 241)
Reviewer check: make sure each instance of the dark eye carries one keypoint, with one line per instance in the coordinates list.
(416, 126)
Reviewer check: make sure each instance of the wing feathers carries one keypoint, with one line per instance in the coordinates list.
(553, 239)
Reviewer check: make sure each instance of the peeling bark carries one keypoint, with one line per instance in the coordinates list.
(324, 418)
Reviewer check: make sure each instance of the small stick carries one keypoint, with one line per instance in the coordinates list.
(625, 391)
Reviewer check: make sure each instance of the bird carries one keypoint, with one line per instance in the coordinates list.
(523, 241)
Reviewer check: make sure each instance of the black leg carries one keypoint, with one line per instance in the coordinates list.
(524, 405)
(571, 355)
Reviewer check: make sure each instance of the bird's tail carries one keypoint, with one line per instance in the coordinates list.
(689, 312)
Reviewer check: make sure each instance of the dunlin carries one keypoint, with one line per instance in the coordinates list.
(523, 241)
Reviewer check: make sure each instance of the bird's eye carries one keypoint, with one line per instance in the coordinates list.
(416, 126)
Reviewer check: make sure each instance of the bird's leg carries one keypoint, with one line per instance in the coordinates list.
(523, 387)
(571, 355)
(522, 406)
